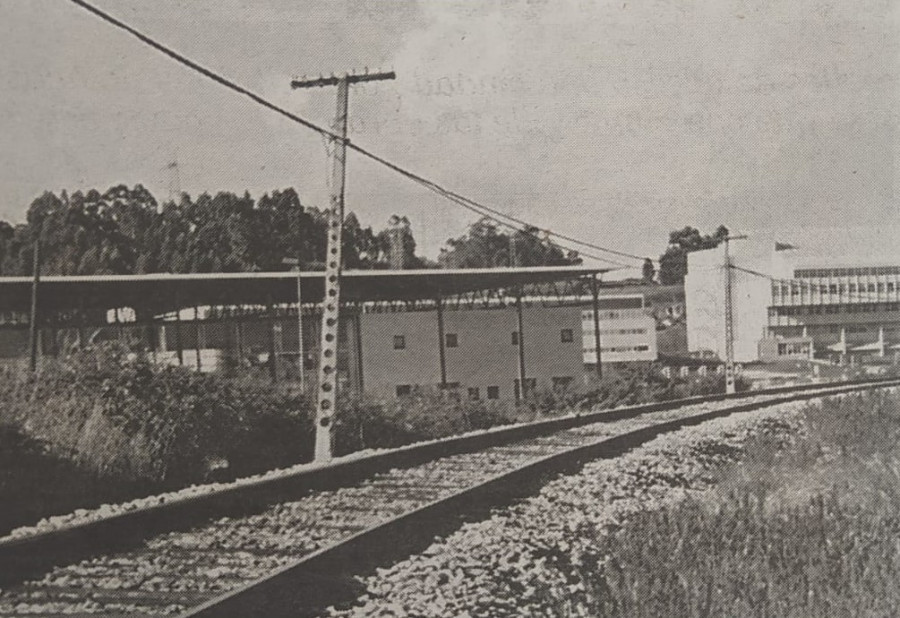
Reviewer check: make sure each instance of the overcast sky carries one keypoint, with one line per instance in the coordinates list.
(610, 121)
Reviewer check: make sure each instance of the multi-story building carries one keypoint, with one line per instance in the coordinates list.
(627, 331)
(790, 305)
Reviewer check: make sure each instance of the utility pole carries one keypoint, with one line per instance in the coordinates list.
(729, 320)
(326, 398)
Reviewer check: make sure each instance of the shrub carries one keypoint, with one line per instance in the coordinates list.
(120, 415)
(628, 385)
(424, 415)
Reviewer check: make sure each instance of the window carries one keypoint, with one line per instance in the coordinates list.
(399, 342)
(474, 394)
(566, 335)
(561, 382)
(530, 386)
(451, 340)
(403, 390)
(515, 337)
(493, 392)
(792, 349)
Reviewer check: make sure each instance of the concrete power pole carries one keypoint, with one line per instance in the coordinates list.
(729, 320)
(326, 397)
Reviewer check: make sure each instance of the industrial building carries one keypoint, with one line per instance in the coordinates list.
(789, 304)
(400, 330)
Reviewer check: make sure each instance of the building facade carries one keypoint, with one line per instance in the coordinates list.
(788, 305)
(627, 331)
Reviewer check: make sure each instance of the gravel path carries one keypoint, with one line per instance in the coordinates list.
(518, 562)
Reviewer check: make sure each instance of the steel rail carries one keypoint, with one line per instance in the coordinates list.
(26, 557)
(328, 577)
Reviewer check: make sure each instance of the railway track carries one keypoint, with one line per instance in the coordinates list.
(289, 545)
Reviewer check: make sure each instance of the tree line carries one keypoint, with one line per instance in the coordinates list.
(125, 230)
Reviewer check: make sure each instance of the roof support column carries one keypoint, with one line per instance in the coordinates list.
(33, 332)
(197, 337)
(442, 340)
(357, 332)
(273, 367)
(179, 344)
(595, 297)
(520, 322)
(239, 341)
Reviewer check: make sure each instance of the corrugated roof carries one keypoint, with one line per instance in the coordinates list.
(159, 293)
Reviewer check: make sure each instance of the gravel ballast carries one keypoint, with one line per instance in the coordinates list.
(519, 561)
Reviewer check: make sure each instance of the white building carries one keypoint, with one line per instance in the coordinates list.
(627, 331)
(788, 303)
(704, 291)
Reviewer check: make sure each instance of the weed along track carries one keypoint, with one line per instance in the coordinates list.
(287, 545)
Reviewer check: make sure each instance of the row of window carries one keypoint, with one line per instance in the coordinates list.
(13, 317)
(834, 309)
(619, 331)
(634, 348)
(791, 349)
(588, 316)
(833, 288)
(852, 329)
(848, 272)
(451, 340)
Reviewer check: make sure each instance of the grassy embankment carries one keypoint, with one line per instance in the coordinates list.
(810, 531)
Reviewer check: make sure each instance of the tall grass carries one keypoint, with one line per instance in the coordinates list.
(815, 532)
(119, 415)
(824, 558)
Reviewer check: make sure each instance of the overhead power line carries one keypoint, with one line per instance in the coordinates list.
(465, 202)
